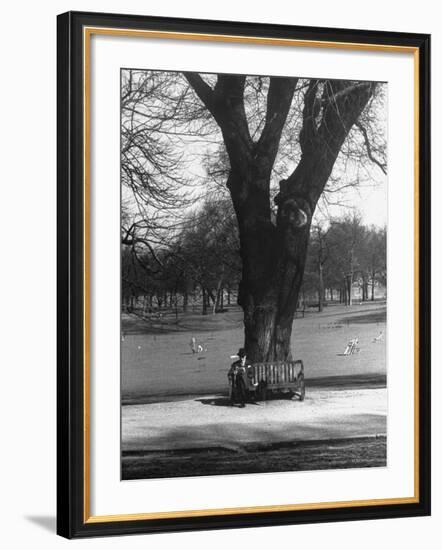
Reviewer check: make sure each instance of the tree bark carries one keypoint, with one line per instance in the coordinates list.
(268, 296)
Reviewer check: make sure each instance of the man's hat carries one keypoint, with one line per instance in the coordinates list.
(241, 352)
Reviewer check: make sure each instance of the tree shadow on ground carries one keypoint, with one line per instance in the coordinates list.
(367, 318)
(222, 402)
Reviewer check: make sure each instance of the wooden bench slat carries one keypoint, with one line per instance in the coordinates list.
(277, 373)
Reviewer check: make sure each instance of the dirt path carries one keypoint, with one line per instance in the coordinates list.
(210, 422)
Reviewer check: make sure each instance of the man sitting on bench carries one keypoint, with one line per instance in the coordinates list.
(238, 375)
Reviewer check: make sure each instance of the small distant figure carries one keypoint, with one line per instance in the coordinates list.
(352, 347)
(379, 337)
(195, 347)
(192, 344)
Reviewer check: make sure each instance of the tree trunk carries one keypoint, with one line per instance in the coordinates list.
(350, 288)
(345, 292)
(205, 300)
(364, 289)
(217, 300)
(273, 258)
(320, 288)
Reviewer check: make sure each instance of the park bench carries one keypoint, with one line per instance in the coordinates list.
(277, 376)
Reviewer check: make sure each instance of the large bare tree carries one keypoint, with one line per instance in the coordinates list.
(273, 247)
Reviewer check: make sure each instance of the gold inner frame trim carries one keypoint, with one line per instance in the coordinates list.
(87, 33)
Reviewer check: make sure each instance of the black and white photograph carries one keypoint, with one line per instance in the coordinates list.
(253, 274)
(219, 235)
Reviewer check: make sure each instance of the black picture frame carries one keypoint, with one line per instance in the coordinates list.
(72, 517)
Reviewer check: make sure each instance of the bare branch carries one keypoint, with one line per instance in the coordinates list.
(364, 133)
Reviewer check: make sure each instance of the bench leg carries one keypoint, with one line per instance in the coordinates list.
(262, 391)
(301, 387)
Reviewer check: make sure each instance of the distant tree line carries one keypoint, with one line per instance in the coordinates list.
(341, 255)
(201, 265)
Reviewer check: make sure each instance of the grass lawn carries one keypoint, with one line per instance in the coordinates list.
(157, 361)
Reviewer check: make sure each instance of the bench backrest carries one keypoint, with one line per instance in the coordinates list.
(277, 372)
